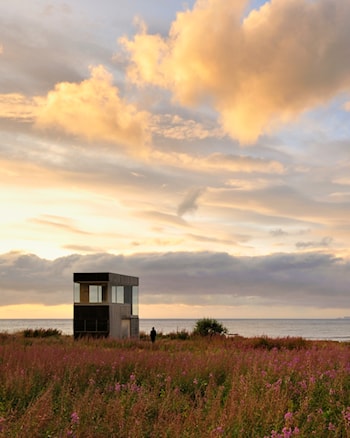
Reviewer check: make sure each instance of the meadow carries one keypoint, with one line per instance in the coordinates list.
(192, 387)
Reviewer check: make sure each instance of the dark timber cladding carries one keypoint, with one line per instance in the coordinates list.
(105, 305)
(115, 279)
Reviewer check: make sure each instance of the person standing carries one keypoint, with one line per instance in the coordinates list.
(153, 334)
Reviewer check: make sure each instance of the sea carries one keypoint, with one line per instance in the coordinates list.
(312, 329)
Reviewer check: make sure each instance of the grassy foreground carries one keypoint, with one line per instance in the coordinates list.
(197, 387)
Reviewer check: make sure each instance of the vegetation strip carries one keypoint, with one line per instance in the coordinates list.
(208, 386)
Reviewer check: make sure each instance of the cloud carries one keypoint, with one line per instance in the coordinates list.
(93, 110)
(178, 128)
(189, 203)
(257, 71)
(309, 280)
(325, 242)
(219, 162)
(17, 106)
(278, 232)
(58, 223)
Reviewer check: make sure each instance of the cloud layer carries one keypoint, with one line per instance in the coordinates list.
(204, 278)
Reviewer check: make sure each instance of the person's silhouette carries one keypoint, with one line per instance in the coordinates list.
(153, 334)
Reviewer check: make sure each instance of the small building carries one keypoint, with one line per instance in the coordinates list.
(106, 305)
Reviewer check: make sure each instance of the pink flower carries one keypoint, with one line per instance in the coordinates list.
(74, 418)
(346, 415)
(218, 430)
(288, 416)
(331, 426)
(287, 432)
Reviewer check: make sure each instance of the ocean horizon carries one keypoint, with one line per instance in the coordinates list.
(335, 329)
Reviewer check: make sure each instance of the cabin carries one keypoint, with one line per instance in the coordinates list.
(105, 305)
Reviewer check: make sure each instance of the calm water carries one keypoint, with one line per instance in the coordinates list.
(328, 329)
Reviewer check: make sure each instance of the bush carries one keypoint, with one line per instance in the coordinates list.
(183, 334)
(208, 327)
(41, 333)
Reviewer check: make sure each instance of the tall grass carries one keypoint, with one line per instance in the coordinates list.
(217, 387)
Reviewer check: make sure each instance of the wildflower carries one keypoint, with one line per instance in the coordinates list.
(312, 379)
(218, 430)
(195, 381)
(346, 415)
(132, 377)
(135, 388)
(288, 416)
(74, 418)
(117, 387)
(331, 426)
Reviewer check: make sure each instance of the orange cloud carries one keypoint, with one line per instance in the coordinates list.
(93, 110)
(257, 72)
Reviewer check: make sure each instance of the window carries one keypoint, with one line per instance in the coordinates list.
(95, 293)
(76, 292)
(135, 300)
(118, 294)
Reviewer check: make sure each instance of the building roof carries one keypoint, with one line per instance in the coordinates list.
(104, 277)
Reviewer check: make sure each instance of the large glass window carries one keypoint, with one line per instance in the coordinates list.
(118, 294)
(76, 292)
(95, 293)
(135, 300)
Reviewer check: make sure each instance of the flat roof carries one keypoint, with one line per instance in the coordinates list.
(104, 277)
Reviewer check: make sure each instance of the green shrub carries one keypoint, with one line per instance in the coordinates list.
(208, 327)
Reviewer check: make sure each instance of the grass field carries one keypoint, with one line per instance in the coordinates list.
(197, 387)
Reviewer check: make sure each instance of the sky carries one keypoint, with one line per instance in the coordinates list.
(203, 146)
